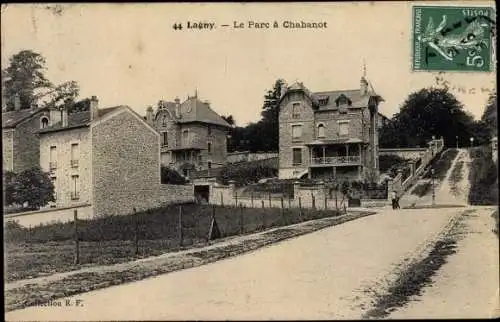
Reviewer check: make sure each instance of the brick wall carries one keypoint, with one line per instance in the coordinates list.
(126, 164)
(64, 171)
(8, 149)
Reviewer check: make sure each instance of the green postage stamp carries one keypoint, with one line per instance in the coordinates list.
(447, 38)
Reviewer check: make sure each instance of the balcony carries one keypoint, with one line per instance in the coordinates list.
(74, 163)
(75, 195)
(336, 161)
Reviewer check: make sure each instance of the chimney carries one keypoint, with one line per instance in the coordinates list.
(17, 102)
(177, 108)
(149, 114)
(94, 110)
(64, 117)
(363, 86)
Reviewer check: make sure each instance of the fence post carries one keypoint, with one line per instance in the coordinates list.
(181, 237)
(262, 201)
(136, 232)
(282, 211)
(270, 206)
(251, 200)
(336, 200)
(289, 202)
(300, 208)
(221, 199)
(236, 198)
(29, 234)
(241, 219)
(326, 201)
(313, 199)
(77, 239)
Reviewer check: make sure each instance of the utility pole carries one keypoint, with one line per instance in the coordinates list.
(456, 140)
(433, 190)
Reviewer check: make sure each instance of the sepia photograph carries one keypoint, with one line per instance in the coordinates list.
(250, 161)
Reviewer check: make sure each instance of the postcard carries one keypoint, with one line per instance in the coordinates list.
(250, 161)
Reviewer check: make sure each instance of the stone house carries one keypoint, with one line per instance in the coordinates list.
(107, 158)
(329, 135)
(193, 135)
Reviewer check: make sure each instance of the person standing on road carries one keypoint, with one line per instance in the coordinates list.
(394, 197)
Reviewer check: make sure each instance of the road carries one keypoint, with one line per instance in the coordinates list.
(316, 276)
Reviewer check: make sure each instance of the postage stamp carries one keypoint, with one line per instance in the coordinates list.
(453, 38)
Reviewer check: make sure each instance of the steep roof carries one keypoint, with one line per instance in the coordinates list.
(194, 110)
(12, 118)
(326, 100)
(78, 119)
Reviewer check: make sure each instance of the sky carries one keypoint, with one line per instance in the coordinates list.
(129, 54)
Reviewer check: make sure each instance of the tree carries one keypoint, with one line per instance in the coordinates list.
(270, 117)
(22, 77)
(489, 116)
(427, 113)
(32, 187)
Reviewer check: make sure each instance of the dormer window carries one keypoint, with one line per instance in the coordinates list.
(44, 122)
(342, 100)
(321, 131)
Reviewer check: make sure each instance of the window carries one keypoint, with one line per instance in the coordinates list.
(199, 158)
(164, 120)
(75, 187)
(52, 158)
(185, 136)
(74, 155)
(44, 122)
(343, 128)
(209, 147)
(209, 163)
(296, 132)
(321, 131)
(295, 110)
(164, 141)
(297, 156)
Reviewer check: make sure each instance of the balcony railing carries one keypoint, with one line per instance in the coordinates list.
(343, 160)
(52, 165)
(74, 163)
(75, 195)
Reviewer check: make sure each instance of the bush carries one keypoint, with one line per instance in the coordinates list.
(387, 162)
(171, 176)
(246, 175)
(483, 178)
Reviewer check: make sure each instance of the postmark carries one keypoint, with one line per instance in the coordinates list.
(453, 38)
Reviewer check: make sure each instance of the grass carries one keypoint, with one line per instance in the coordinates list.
(80, 282)
(483, 177)
(456, 177)
(441, 164)
(48, 249)
(422, 189)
